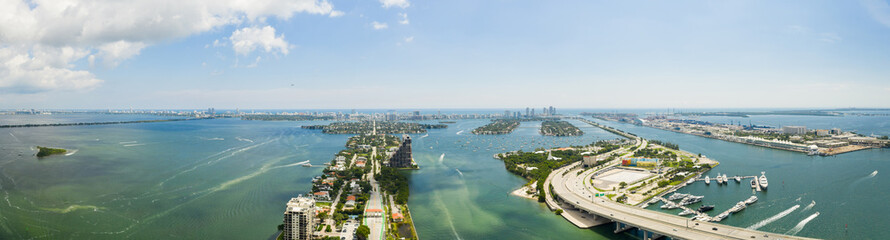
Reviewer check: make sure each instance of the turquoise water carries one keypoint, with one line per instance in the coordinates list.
(228, 179)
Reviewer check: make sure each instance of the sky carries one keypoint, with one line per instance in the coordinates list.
(314, 54)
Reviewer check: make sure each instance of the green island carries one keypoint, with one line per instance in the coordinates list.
(385, 127)
(560, 128)
(47, 151)
(285, 117)
(497, 126)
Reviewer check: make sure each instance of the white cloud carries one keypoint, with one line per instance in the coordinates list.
(31, 32)
(830, 37)
(395, 3)
(404, 18)
(879, 10)
(409, 39)
(377, 26)
(114, 52)
(336, 14)
(246, 40)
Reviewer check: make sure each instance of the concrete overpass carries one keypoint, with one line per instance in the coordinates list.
(571, 193)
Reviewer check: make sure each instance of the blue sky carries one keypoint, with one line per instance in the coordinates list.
(448, 54)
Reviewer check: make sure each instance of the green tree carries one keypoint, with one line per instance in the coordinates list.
(558, 211)
(328, 228)
(362, 232)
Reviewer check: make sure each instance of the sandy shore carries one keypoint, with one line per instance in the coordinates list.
(522, 192)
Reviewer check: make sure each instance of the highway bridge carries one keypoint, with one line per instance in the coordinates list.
(573, 193)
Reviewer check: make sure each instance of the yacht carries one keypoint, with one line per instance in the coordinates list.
(763, 182)
(690, 200)
(686, 212)
(725, 179)
(754, 182)
(669, 205)
(691, 180)
(719, 179)
(751, 200)
(307, 165)
(708, 180)
(677, 196)
(705, 208)
(738, 207)
(738, 179)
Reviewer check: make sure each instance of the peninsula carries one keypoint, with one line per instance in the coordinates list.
(823, 142)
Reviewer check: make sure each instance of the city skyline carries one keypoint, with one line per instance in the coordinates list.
(444, 55)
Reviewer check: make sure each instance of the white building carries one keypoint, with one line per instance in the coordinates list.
(794, 130)
(299, 218)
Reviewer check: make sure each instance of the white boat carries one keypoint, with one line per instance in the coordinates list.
(690, 200)
(686, 212)
(738, 207)
(738, 179)
(669, 205)
(725, 179)
(691, 180)
(307, 165)
(751, 200)
(754, 183)
(720, 179)
(708, 180)
(763, 182)
(677, 196)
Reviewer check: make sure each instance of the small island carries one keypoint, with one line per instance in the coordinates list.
(560, 129)
(384, 127)
(47, 151)
(498, 126)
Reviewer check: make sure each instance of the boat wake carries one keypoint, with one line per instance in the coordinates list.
(71, 153)
(442, 157)
(808, 207)
(796, 229)
(244, 139)
(459, 172)
(130, 142)
(773, 218)
(133, 145)
(16, 138)
(427, 135)
(293, 164)
(213, 139)
(459, 132)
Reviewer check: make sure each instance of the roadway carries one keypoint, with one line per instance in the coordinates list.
(571, 190)
(377, 224)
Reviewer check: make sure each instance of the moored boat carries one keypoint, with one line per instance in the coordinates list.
(705, 208)
(751, 200)
(708, 180)
(763, 182)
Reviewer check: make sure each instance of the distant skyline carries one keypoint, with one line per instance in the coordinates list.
(404, 54)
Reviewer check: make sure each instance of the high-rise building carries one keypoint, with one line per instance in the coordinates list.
(506, 113)
(552, 111)
(402, 157)
(299, 218)
(526, 112)
(533, 112)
